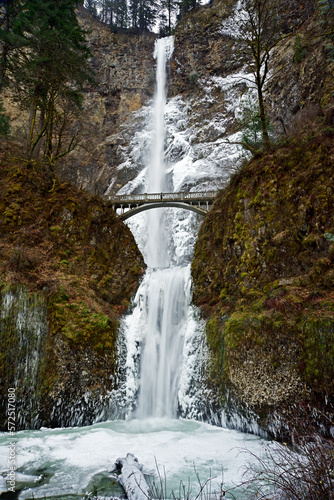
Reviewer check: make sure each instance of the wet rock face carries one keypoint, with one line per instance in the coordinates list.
(68, 270)
(23, 332)
(86, 387)
(300, 89)
(56, 383)
(124, 70)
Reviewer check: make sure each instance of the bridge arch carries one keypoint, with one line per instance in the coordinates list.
(162, 204)
(199, 202)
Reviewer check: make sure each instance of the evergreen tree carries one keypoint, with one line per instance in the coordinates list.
(326, 14)
(106, 11)
(143, 13)
(134, 9)
(250, 122)
(91, 6)
(49, 67)
(167, 14)
(112, 12)
(9, 10)
(185, 6)
(121, 14)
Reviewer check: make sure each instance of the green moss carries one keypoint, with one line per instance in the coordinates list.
(270, 264)
(67, 248)
(217, 374)
(81, 325)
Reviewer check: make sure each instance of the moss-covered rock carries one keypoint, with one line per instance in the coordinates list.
(263, 273)
(65, 256)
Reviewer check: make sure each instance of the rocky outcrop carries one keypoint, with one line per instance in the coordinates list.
(300, 85)
(263, 275)
(68, 269)
(300, 90)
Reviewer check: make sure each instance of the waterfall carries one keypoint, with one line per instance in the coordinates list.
(164, 294)
(165, 303)
(156, 328)
(163, 340)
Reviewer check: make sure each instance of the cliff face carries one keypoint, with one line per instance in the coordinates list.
(68, 269)
(124, 74)
(200, 48)
(264, 273)
(301, 74)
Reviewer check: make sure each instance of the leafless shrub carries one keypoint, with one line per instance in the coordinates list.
(204, 490)
(303, 471)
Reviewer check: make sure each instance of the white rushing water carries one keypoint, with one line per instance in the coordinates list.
(165, 312)
(165, 347)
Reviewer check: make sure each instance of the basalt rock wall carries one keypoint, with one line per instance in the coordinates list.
(68, 269)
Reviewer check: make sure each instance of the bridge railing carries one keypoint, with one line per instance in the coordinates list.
(146, 197)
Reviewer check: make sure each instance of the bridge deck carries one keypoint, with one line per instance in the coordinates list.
(153, 197)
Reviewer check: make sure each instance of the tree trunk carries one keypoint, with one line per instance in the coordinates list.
(131, 478)
(49, 128)
(40, 132)
(31, 126)
(3, 64)
(265, 136)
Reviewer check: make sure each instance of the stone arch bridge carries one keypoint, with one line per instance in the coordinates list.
(129, 205)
